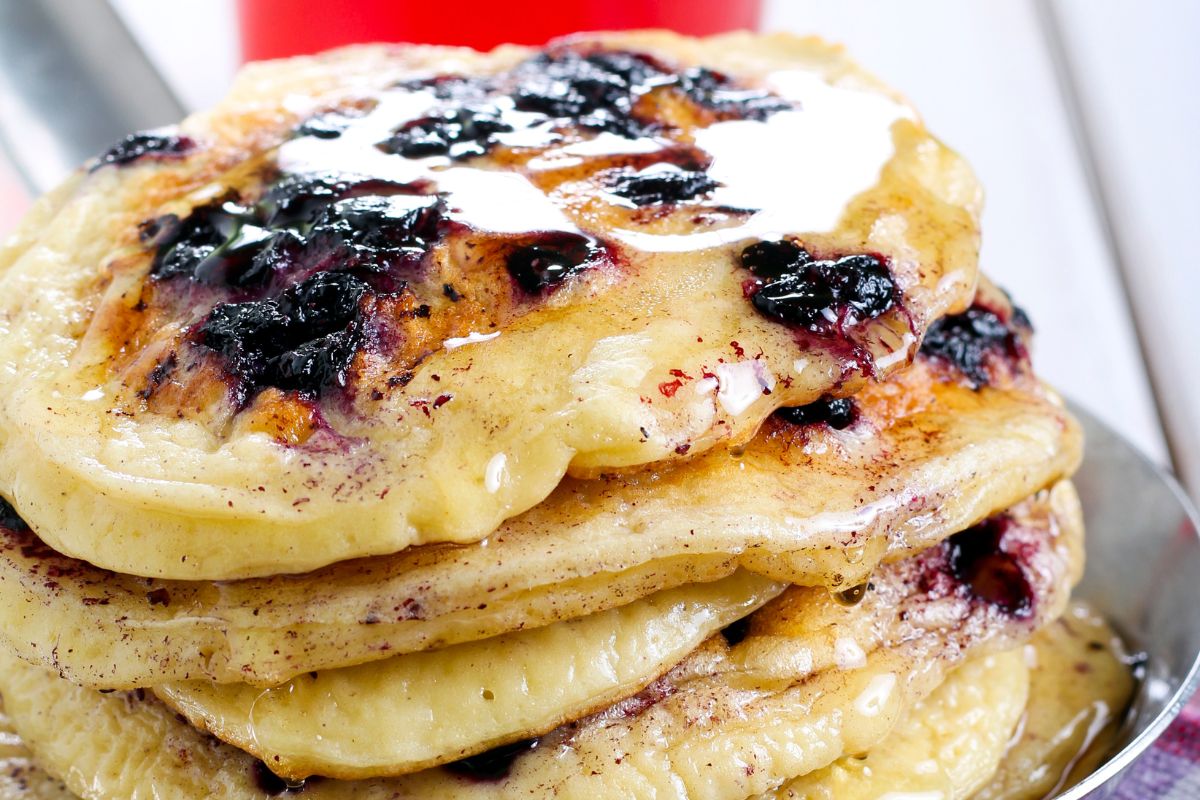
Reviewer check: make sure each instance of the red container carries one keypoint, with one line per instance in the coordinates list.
(276, 28)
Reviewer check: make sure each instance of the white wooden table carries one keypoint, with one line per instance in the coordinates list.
(1080, 116)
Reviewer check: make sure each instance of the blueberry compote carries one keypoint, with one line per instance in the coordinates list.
(978, 560)
(824, 297)
(494, 764)
(967, 341)
(136, 146)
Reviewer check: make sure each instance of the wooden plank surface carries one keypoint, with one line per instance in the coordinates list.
(1133, 66)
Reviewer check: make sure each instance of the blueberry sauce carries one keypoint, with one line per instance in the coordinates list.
(967, 341)
(494, 764)
(661, 184)
(143, 144)
(821, 296)
(978, 561)
(10, 519)
(837, 413)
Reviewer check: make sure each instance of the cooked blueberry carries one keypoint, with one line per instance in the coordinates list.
(10, 519)
(773, 260)
(278, 255)
(457, 132)
(978, 560)
(596, 91)
(298, 198)
(494, 764)
(271, 784)
(305, 339)
(227, 263)
(374, 232)
(318, 364)
(240, 330)
(735, 632)
(323, 126)
(837, 413)
(138, 145)
(153, 232)
(821, 296)
(323, 302)
(550, 261)
(182, 245)
(966, 341)
(717, 93)
(662, 183)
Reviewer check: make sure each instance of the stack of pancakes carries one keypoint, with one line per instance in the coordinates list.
(625, 418)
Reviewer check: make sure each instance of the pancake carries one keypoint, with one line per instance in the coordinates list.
(948, 746)
(1082, 684)
(931, 451)
(389, 296)
(470, 697)
(730, 721)
(339, 723)
(20, 777)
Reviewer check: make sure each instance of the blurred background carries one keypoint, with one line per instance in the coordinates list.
(1081, 117)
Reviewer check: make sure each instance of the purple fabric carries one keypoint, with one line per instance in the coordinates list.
(1171, 768)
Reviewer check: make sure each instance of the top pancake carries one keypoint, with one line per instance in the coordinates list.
(390, 296)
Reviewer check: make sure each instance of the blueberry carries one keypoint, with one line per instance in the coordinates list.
(773, 260)
(549, 261)
(823, 297)
(374, 232)
(140, 145)
(458, 132)
(10, 519)
(838, 413)
(182, 245)
(662, 183)
(494, 764)
(966, 341)
(979, 562)
(717, 93)
(304, 339)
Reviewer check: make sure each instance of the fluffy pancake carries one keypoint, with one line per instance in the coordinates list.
(947, 746)
(467, 698)
(337, 722)
(933, 450)
(20, 777)
(730, 721)
(389, 296)
(1082, 686)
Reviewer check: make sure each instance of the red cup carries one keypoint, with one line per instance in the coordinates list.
(277, 28)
